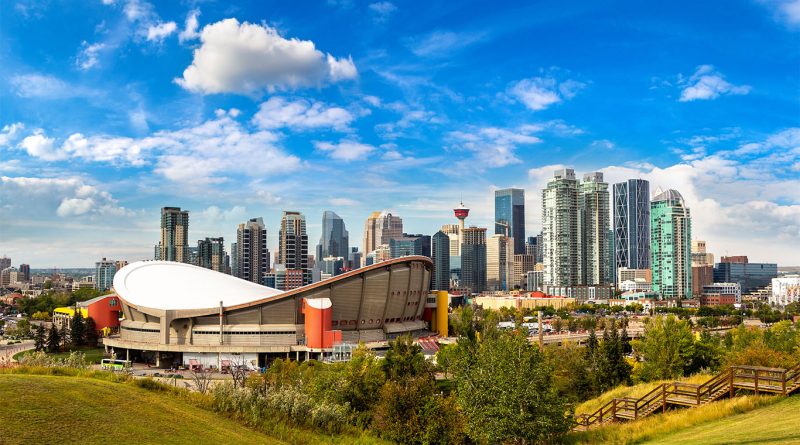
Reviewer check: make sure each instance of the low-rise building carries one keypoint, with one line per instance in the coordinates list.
(785, 290)
(581, 294)
(495, 302)
(721, 293)
(103, 310)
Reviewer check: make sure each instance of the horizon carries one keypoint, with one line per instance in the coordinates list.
(114, 110)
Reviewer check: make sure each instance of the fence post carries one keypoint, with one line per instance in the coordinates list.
(783, 382)
(663, 399)
(756, 382)
(730, 370)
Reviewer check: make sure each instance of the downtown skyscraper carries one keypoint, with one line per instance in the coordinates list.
(335, 240)
(671, 245)
(473, 259)
(379, 228)
(293, 245)
(174, 243)
(575, 230)
(440, 254)
(594, 230)
(632, 224)
(561, 229)
(509, 216)
(211, 254)
(251, 253)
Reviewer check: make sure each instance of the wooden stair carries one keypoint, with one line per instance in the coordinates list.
(727, 383)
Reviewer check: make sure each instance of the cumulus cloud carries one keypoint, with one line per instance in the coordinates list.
(249, 58)
(492, 146)
(301, 114)
(40, 146)
(345, 150)
(539, 93)
(706, 84)
(160, 31)
(64, 197)
(197, 155)
(9, 133)
(190, 28)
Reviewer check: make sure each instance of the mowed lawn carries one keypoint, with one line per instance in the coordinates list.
(70, 410)
(92, 355)
(774, 424)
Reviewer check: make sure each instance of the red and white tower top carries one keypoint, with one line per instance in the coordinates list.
(461, 212)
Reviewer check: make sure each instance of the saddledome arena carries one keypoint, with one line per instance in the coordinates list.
(177, 314)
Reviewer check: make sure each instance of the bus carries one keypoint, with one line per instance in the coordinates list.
(115, 365)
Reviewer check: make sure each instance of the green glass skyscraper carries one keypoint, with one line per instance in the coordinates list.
(671, 245)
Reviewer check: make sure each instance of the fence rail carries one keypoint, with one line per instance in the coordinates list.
(726, 383)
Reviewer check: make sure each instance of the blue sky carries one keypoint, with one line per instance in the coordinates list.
(112, 109)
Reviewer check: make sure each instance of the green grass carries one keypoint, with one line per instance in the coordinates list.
(777, 423)
(93, 355)
(69, 406)
(75, 410)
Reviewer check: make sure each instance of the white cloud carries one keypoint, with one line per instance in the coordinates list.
(40, 146)
(382, 10)
(787, 11)
(345, 150)
(202, 154)
(301, 114)
(539, 93)
(214, 214)
(64, 197)
(160, 31)
(443, 43)
(190, 29)
(706, 84)
(493, 147)
(89, 55)
(46, 87)
(250, 59)
(9, 133)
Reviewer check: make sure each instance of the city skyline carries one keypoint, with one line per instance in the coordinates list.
(106, 122)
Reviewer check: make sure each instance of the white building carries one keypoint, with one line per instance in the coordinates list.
(636, 285)
(785, 290)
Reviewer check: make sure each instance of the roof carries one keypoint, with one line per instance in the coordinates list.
(70, 311)
(669, 195)
(94, 300)
(170, 285)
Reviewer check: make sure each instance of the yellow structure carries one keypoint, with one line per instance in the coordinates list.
(442, 312)
(63, 315)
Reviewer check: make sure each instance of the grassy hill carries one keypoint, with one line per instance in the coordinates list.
(748, 419)
(55, 409)
(776, 423)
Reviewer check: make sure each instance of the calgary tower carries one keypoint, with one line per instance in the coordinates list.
(461, 213)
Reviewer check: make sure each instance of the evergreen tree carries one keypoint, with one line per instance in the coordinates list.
(40, 340)
(625, 340)
(90, 336)
(53, 339)
(63, 334)
(77, 328)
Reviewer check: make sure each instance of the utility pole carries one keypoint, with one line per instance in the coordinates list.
(541, 332)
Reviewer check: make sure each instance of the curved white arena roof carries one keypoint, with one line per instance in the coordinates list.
(169, 285)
